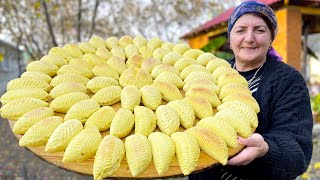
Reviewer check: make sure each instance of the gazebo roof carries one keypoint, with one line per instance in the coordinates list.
(222, 19)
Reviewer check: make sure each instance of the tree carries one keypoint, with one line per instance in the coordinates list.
(43, 24)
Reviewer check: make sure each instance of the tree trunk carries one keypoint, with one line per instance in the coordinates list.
(54, 42)
(19, 56)
(62, 24)
(96, 5)
(37, 45)
(79, 20)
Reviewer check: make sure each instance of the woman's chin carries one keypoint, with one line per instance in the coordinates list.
(248, 57)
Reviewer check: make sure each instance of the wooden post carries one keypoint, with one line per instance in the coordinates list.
(288, 40)
(199, 41)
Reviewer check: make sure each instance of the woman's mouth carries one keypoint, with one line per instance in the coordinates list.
(248, 48)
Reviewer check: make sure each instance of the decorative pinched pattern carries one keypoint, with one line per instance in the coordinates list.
(135, 89)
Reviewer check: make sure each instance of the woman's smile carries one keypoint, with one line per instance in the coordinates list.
(248, 48)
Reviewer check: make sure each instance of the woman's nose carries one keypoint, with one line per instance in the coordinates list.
(249, 36)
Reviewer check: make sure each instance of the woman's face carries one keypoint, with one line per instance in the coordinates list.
(250, 39)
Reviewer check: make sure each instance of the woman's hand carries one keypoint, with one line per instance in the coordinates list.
(256, 147)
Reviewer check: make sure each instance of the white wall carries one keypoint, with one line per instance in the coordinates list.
(314, 71)
(314, 45)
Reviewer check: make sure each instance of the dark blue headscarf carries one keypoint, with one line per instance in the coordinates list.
(257, 8)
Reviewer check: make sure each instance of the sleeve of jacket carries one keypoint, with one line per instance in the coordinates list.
(290, 135)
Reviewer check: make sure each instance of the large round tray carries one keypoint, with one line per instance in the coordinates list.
(86, 166)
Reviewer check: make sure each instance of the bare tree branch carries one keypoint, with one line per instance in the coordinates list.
(79, 20)
(76, 20)
(16, 35)
(61, 11)
(37, 45)
(93, 23)
(160, 22)
(30, 38)
(19, 55)
(54, 42)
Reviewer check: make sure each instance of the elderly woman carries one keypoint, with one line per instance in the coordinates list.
(281, 147)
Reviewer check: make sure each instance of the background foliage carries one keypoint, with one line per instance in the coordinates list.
(38, 25)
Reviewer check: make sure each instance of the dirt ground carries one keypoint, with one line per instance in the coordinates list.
(17, 163)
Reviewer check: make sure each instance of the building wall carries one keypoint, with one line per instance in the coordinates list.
(10, 59)
(288, 40)
(9, 67)
(199, 41)
(314, 71)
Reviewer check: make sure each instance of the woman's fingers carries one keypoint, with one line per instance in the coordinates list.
(254, 140)
(256, 147)
(243, 158)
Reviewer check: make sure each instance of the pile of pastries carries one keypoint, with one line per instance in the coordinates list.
(143, 99)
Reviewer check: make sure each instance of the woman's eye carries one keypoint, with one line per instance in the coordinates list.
(240, 31)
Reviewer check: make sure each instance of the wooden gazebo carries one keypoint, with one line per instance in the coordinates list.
(296, 19)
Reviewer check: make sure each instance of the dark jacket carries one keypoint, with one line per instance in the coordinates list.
(285, 122)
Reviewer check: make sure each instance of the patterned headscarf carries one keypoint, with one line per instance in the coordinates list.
(261, 9)
(254, 7)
